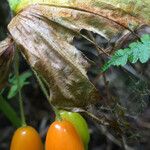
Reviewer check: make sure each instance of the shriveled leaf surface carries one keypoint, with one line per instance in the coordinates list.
(45, 32)
(108, 8)
(6, 57)
(138, 8)
(61, 64)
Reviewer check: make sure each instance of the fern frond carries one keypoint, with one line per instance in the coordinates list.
(137, 51)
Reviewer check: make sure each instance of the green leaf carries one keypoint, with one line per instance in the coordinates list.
(118, 59)
(134, 55)
(139, 50)
(12, 91)
(145, 54)
(145, 38)
(13, 4)
(23, 81)
(9, 112)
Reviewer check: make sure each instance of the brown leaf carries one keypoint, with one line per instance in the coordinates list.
(121, 11)
(6, 57)
(60, 63)
(45, 33)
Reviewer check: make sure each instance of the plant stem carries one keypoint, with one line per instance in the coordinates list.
(9, 112)
(58, 117)
(41, 85)
(16, 68)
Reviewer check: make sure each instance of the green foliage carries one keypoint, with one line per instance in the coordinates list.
(5, 107)
(9, 112)
(13, 81)
(139, 50)
(13, 4)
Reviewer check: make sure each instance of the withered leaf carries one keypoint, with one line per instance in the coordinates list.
(44, 33)
(122, 11)
(6, 57)
(57, 61)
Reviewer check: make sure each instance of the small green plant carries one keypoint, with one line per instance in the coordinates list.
(9, 112)
(139, 50)
(14, 86)
(16, 83)
(5, 106)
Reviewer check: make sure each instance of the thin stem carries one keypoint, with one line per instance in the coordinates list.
(124, 144)
(103, 120)
(41, 85)
(58, 117)
(109, 136)
(16, 68)
(98, 48)
(106, 86)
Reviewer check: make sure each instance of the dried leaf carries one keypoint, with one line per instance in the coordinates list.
(45, 32)
(6, 57)
(116, 9)
(60, 63)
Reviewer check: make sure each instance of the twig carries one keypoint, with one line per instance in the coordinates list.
(104, 131)
(41, 84)
(124, 144)
(106, 85)
(58, 117)
(103, 120)
(93, 41)
(16, 68)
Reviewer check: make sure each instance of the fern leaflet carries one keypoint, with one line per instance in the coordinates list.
(139, 50)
